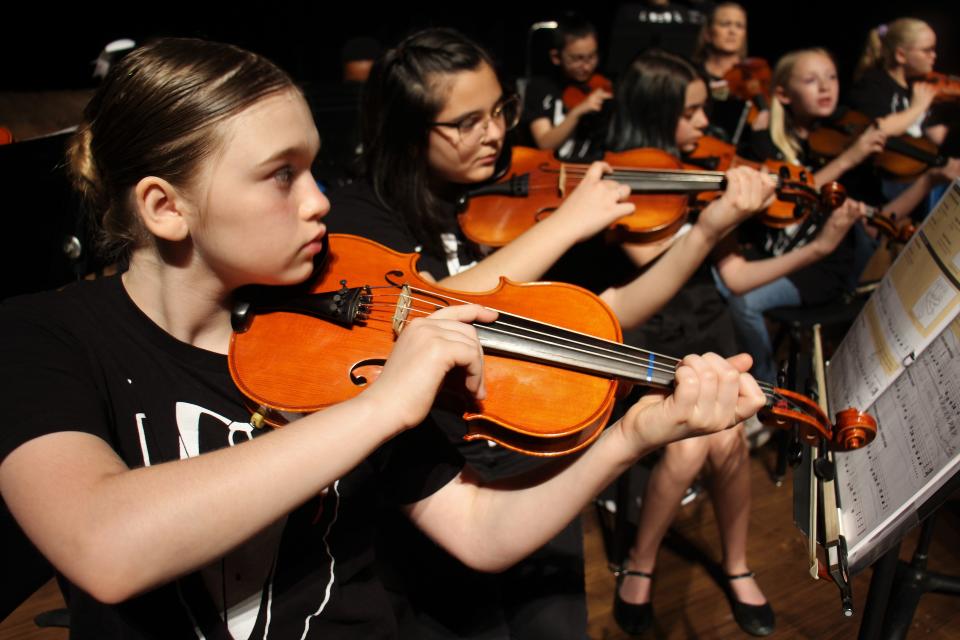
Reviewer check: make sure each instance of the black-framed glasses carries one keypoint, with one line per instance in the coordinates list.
(473, 127)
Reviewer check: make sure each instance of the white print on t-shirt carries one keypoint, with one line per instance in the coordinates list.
(252, 565)
(900, 103)
(451, 247)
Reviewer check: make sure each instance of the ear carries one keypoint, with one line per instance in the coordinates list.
(555, 56)
(163, 210)
(781, 95)
(900, 56)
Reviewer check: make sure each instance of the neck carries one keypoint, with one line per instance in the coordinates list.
(192, 307)
(899, 76)
(719, 63)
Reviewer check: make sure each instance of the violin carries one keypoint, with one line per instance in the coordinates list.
(576, 92)
(661, 188)
(554, 361)
(903, 156)
(713, 153)
(749, 80)
(948, 86)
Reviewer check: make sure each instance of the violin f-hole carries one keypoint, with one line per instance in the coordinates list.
(359, 379)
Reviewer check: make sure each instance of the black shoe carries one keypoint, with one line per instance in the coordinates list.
(755, 619)
(632, 618)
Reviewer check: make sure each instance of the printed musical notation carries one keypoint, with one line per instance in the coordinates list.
(900, 361)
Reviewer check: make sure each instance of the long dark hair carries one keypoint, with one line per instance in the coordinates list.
(156, 114)
(648, 102)
(403, 96)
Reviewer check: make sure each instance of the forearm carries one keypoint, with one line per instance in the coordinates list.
(501, 523)
(896, 124)
(550, 136)
(741, 276)
(834, 170)
(117, 532)
(909, 198)
(635, 302)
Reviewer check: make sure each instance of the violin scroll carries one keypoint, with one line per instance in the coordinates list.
(854, 429)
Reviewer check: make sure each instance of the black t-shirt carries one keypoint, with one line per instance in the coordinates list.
(819, 282)
(87, 359)
(728, 113)
(544, 99)
(876, 94)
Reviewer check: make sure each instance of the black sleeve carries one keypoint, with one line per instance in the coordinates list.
(874, 95)
(355, 209)
(417, 463)
(48, 379)
(540, 98)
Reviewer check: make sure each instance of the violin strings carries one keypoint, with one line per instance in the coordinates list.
(669, 363)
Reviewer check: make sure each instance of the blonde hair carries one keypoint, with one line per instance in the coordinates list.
(883, 41)
(781, 118)
(703, 46)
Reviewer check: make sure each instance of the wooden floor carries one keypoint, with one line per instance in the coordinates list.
(687, 601)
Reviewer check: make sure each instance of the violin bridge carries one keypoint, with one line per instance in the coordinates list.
(402, 310)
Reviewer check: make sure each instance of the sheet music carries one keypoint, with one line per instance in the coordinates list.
(901, 361)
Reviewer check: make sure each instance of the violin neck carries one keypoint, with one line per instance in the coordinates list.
(668, 181)
(549, 344)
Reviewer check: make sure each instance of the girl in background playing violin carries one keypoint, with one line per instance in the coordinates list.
(571, 129)
(889, 86)
(721, 45)
(888, 82)
(660, 103)
(810, 263)
(167, 514)
(434, 122)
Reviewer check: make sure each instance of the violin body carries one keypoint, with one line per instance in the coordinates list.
(948, 86)
(750, 80)
(903, 156)
(575, 93)
(295, 363)
(537, 183)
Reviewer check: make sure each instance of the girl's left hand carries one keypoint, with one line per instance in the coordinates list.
(710, 394)
(595, 204)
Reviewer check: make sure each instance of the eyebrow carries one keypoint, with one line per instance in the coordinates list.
(477, 112)
(283, 154)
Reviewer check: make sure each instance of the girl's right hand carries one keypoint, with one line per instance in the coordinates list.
(427, 349)
(595, 204)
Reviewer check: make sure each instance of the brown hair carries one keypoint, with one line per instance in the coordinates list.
(883, 41)
(703, 46)
(155, 115)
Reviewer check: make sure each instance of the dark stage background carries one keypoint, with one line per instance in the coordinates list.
(45, 48)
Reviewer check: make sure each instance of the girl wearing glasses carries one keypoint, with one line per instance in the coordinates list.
(166, 513)
(433, 125)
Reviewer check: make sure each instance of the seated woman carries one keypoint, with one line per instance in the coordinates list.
(722, 44)
(660, 103)
(434, 122)
(165, 511)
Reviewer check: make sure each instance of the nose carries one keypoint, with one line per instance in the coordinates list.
(314, 205)
(496, 130)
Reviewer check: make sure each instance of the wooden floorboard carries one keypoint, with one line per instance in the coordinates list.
(687, 601)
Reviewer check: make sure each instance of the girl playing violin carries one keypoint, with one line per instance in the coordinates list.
(888, 80)
(570, 129)
(809, 263)
(660, 103)
(434, 122)
(721, 45)
(167, 514)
